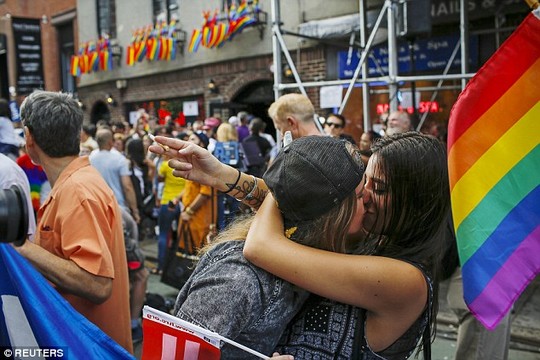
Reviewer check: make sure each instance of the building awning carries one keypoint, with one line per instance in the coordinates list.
(342, 27)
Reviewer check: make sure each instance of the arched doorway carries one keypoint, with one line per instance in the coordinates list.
(255, 98)
(100, 111)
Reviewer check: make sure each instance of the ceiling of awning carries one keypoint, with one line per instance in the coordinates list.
(342, 27)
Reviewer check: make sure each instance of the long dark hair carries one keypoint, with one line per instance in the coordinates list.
(417, 202)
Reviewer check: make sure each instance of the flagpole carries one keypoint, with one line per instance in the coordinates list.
(533, 4)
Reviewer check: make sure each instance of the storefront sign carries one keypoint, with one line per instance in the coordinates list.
(447, 11)
(423, 106)
(28, 55)
(429, 54)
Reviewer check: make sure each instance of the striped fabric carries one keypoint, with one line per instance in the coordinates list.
(494, 166)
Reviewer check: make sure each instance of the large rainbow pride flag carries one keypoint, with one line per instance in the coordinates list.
(494, 166)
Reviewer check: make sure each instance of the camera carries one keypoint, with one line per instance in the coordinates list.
(13, 215)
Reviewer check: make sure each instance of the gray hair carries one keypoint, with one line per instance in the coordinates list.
(55, 120)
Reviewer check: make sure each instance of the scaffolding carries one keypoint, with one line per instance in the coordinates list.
(389, 9)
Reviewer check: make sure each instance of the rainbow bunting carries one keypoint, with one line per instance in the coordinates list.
(205, 36)
(94, 61)
(494, 166)
(163, 49)
(223, 29)
(172, 46)
(242, 9)
(104, 60)
(140, 50)
(75, 69)
(130, 57)
(195, 40)
(153, 49)
(214, 35)
(216, 31)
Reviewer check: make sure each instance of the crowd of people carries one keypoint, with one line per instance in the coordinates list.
(331, 246)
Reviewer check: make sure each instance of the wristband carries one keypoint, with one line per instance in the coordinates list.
(235, 183)
(189, 211)
(249, 196)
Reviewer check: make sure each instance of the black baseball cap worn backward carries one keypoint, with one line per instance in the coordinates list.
(311, 176)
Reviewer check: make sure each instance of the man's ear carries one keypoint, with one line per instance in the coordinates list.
(293, 123)
(28, 138)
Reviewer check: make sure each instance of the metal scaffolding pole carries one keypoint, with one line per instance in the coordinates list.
(464, 33)
(393, 77)
(290, 61)
(276, 51)
(392, 57)
(363, 58)
(365, 88)
(439, 84)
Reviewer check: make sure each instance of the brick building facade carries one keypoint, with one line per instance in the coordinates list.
(58, 29)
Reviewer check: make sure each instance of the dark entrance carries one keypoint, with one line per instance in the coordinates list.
(256, 98)
(100, 111)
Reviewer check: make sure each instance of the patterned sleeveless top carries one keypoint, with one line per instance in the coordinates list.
(326, 329)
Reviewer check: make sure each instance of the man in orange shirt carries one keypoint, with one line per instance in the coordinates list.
(79, 244)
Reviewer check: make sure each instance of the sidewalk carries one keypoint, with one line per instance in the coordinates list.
(525, 332)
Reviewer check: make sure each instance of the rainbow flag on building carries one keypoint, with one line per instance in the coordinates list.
(494, 166)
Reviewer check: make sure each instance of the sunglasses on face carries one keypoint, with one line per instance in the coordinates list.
(337, 126)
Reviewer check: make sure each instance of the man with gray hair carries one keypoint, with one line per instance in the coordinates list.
(398, 122)
(79, 244)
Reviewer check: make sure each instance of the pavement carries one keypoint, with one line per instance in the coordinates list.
(525, 332)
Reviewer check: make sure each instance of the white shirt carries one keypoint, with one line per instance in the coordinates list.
(10, 174)
(7, 132)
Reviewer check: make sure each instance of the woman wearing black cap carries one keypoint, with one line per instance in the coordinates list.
(406, 192)
(231, 296)
(389, 282)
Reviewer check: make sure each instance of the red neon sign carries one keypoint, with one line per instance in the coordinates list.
(424, 106)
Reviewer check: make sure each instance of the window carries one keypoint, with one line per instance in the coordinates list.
(165, 10)
(67, 49)
(106, 13)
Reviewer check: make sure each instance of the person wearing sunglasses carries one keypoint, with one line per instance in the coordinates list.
(334, 126)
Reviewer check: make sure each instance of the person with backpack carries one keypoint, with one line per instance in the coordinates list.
(228, 151)
(256, 149)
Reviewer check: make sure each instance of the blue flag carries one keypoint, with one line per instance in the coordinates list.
(35, 319)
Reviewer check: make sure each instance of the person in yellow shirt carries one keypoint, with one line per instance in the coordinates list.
(169, 209)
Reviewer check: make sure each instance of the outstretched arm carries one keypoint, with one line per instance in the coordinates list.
(195, 163)
(379, 284)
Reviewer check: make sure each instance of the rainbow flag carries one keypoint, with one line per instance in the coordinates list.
(75, 69)
(195, 41)
(494, 166)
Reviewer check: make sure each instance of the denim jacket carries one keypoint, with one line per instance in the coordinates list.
(236, 299)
